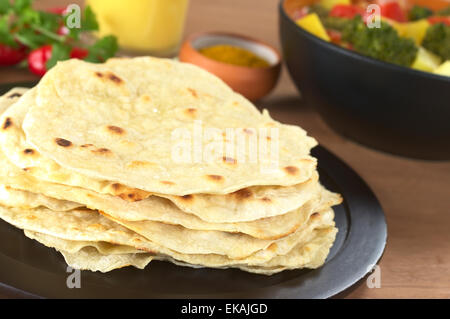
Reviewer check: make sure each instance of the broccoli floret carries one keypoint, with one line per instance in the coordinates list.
(382, 43)
(444, 12)
(335, 23)
(437, 40)
(418, 12)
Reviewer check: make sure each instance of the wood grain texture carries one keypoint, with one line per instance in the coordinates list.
(414, 194)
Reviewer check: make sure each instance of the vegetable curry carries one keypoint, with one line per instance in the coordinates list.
(414, 36)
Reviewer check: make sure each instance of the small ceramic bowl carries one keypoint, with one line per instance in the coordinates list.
(253, 83)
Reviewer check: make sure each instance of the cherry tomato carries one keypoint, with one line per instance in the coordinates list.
(444, 20)
(78, 53)
(346, 11)
(38, 58)
(392, 10)
(335, 36)
(10, 55)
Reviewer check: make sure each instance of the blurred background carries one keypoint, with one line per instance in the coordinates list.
(202, 15)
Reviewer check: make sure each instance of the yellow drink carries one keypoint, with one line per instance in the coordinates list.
(151, 26)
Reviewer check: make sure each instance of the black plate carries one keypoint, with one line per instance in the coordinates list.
(31, 268)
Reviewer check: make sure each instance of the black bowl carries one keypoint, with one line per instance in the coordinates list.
(382, 105)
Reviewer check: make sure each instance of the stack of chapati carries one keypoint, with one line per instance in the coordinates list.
(119, 163)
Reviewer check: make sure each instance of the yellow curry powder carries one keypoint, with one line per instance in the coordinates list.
(233, 55)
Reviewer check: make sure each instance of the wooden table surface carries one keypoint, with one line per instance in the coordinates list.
(415, 194)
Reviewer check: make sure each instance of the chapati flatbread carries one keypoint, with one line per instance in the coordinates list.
(119, 121)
